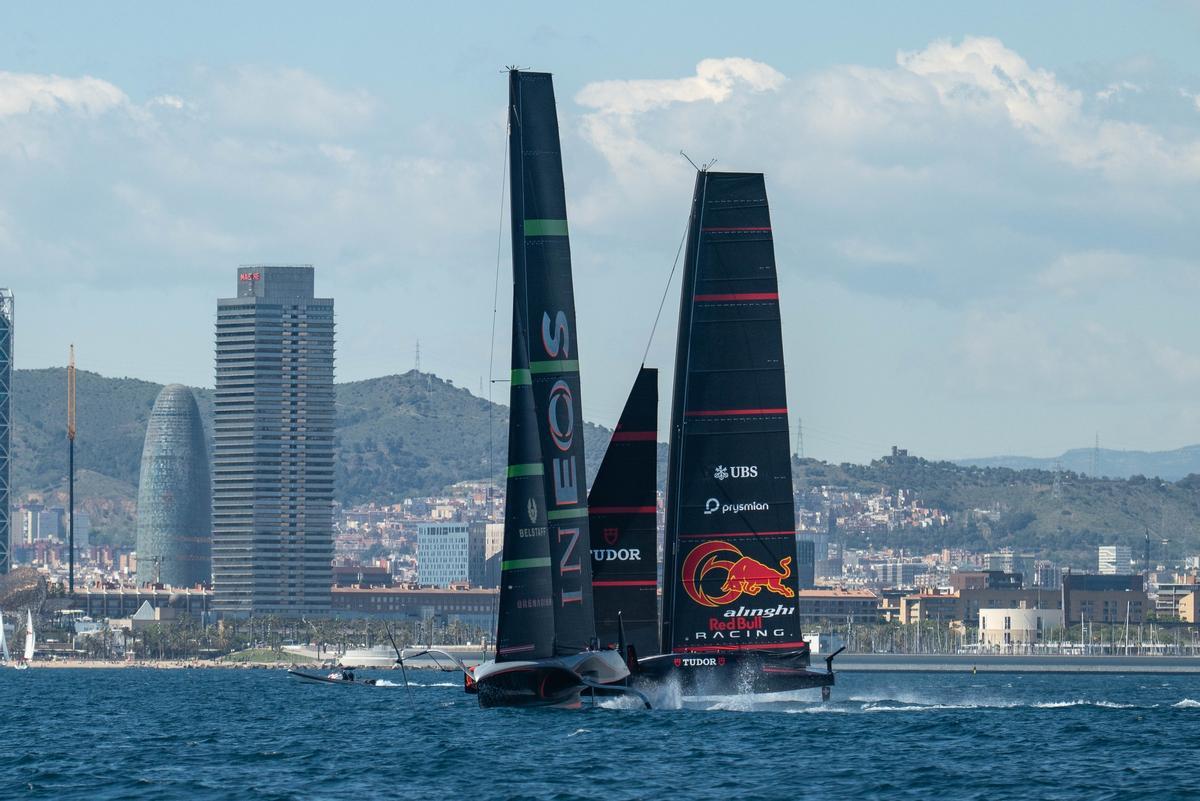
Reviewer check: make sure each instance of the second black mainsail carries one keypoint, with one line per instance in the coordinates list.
(729, 582)
(730, 612)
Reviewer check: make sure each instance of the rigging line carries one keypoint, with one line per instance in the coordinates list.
(496, 309)
(666, 289)
(492, 352)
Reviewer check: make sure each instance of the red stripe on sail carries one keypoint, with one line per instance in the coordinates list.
(625, 583)
(722, 535)
(634, 436)
(703, 649)
(738, 296)
(742, 412)
(622, 510)
(764, 229)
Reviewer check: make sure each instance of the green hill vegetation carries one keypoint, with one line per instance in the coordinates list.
(397, 436)
(415, 434)
(1062, 516)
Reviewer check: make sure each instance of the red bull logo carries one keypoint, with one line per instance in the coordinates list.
(744, 575)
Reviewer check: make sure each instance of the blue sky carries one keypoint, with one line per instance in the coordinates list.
(985, 221)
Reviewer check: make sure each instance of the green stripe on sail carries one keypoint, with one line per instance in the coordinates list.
(520, 377)
(522, 564)
(545, 228)
(555, 366)
(566, 514)
(519, 470)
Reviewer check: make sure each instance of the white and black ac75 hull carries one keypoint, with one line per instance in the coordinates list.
(553, 682)
(732, 672)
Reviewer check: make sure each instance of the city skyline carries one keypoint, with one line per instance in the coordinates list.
(984, 245)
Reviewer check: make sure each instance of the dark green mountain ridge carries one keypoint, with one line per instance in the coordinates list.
(415, 434)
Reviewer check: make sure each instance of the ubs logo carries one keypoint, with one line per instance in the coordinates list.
(735, 471)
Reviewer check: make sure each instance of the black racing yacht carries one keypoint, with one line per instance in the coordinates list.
(729, 616)
(547, 651)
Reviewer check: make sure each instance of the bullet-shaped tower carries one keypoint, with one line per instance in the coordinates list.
(174, 531)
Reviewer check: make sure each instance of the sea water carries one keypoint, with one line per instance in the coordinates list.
(260, 734)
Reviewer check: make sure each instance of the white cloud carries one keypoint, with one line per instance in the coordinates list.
(945, 99)
(1116, 89)
(168, 101)
(287, 101)
(612, 125)
(714, 80)
(28, 93)
(981, 73)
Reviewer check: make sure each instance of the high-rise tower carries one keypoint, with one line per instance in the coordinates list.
(273, 447)
(6, 352)
(174, 530)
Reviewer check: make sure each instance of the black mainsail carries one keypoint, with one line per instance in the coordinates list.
(543, 291)
(729, 581)
(545, 653)
(624, 523)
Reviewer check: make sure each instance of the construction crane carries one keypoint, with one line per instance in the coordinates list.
(71, 469)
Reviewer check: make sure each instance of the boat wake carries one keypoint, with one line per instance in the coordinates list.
(429, 684)
(879, 705)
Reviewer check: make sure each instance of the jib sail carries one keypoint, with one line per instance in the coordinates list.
(729, 578)
(525, 619)
(549, 368)
(623, 521)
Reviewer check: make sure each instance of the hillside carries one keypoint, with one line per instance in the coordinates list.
(415, 433)
(396, 436)
(1170, 465)
(411, 434)
(994, 507)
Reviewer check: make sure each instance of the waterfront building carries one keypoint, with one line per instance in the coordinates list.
(1114, 560)
(1047, 575)
(174, 531)
(806, 563)
(1016, 629)
(984, 580)
(493, 548)
(899, 572)
(1103, 599)
(272, 512)
(361, 576)
(474, 607)
(1188, 608)
(827, 552)
(6, 354)
(1006, 598)
(1168, 596)
(924, 607)
(1006, 561)
(108, 603)
(450, 553)
(837, 605)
